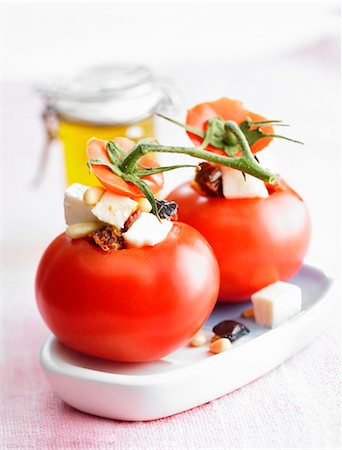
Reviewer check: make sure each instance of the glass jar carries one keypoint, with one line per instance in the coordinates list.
(104, 102)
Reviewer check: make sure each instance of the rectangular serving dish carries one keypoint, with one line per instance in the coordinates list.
(190, 376)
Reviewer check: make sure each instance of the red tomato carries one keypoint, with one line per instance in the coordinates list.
(256, 241)
(132, 305)
(96, 148)
(226, 109)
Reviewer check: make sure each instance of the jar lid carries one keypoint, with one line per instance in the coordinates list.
(111, 95)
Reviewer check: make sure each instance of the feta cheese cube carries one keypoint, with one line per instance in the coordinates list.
(75, 209)
(147, 230)
(276, 303)
(234, 185)
(114, 209)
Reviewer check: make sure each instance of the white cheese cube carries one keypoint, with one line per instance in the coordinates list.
(147, 230)
(114, 209)
(75, 209)
(234, 185)
(276, 303)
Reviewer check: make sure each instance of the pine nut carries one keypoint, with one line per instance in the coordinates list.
(220, 345)
(198, 340)
(80, 230)
(93, 195)
(144, 204)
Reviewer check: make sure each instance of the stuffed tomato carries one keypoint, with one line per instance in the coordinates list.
(135, 304)
(124, 283)
(259, 231)
(257, 241)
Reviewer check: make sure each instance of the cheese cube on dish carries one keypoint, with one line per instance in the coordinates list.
(114, 209)
(234, 185)
(75, 209)
(147, 230)
(276, 303)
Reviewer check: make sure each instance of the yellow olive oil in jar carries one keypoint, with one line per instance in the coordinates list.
(105, 102)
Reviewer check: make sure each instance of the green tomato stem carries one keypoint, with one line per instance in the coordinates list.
(245, 163)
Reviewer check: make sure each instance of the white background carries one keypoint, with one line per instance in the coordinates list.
(42, 40)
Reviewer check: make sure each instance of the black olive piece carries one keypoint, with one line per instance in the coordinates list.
(166, 209)
(230, 329)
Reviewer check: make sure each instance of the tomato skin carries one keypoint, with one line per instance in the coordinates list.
(256, 241)
(133, 305)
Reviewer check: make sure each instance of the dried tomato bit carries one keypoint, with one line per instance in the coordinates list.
(167, 210)
(132, 218)
(109, 238)
(248, 314)
(230, 329)
(208, 180)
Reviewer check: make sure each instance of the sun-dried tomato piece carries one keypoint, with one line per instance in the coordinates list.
(208, 180)
(248, 314)
(166, 209)
(132, 218)
(109, 238)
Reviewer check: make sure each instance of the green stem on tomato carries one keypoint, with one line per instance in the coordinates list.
(186, 127)
(245, 163)
(284, 137)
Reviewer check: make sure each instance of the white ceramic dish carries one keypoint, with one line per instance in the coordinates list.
(190, 376)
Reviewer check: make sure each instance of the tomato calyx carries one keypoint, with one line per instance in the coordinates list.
(258, 131)
(245, 162)
(253, 130)
(115, 176)
(110, 157)
(219, 138)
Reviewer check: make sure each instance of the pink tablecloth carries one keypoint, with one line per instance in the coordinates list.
(294, 406)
